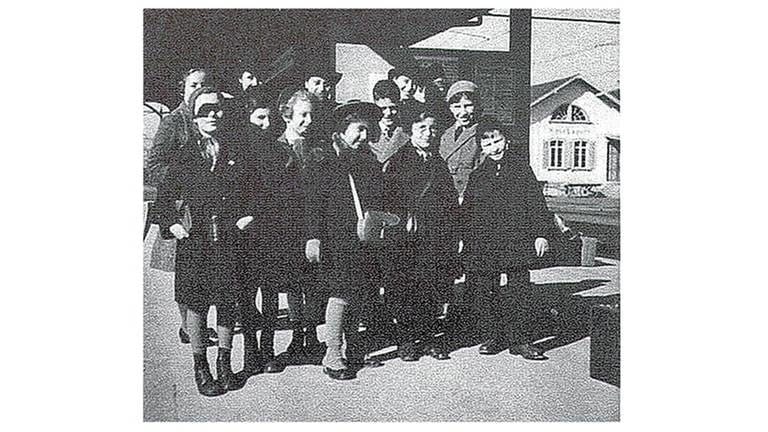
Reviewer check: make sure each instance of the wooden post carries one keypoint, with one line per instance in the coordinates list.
(520, 62)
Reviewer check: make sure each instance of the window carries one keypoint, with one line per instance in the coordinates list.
(577, 114)
(556, 154)
(569, 113)
(561, 113)
(580, 154)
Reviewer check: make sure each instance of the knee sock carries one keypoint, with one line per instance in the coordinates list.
(334, 319)
(225, 337)
(195, 325)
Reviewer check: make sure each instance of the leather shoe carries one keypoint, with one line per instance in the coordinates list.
(491, 347)
(206, 385)
(340, 374)
(527, 351)
(227, 380)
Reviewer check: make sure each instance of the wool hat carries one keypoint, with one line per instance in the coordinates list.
(459, 87)
(366, 110)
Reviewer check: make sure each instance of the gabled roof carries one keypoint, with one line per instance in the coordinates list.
(540, 92)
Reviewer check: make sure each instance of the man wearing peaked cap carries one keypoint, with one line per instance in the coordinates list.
(458, 145)
(460, 86)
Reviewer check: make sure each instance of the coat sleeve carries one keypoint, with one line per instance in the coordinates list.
(164, 145)
(315, 199)
(541, 219)
(394, 201)
(168, 192)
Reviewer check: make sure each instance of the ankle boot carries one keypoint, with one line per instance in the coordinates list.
(267, 341)
(224, 374)
(206, 385)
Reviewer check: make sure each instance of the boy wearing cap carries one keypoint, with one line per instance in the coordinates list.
(458, 145)
(318, 81)
(506, 229)
(391, 136)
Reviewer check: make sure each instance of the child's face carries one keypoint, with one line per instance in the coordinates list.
(389, 110)
(493, 144)
(356, 135)
(463, 111)
(208, 112)
(318, 86)
(301, 119)
(247, 79)
(194, 81)
(260, 117)
(405, 84)
(422, 133)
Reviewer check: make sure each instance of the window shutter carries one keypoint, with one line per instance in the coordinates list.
(545, 154)
(568, 154)
(591, 155)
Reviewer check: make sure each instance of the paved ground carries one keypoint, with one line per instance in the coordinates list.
(466, 388)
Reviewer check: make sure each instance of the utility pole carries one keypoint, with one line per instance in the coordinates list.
(520, 62)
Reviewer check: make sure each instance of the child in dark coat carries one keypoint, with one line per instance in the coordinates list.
(507, 226)
(423, 255)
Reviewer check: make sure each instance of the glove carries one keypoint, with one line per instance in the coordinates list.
(178, 231)
(312, 250)
(243, 222)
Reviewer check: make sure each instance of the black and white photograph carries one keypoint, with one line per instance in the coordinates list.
(381, 215)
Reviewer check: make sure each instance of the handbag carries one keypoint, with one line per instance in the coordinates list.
(372, 223)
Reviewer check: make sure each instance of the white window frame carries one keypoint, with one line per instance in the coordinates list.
(581, 154)
(552, 149)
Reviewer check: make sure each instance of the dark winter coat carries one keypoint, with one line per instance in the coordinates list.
(504, 212)
(276, 192)
(204, 260)
(172, 134)
(332, 216)
(422, 191)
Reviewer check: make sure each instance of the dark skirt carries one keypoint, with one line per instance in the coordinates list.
(351, 273)
(205, 274)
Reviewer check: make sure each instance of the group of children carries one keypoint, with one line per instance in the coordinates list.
(364, 213)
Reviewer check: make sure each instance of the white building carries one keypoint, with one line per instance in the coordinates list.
(574, 137)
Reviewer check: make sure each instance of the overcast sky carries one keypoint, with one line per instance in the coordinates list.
(558, 48)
